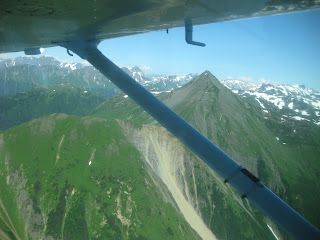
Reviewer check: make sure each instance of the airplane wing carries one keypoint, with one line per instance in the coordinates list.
(80, 25)
(27, 24)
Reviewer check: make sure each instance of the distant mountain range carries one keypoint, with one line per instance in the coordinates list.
(23, 73)
(293, 102)
(162, 83)
(39, 61)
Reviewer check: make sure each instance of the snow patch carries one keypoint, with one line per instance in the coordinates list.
(290, 105)
(316, 104)
(274, 234)
(277, 101)
(260, 103)
(92, 156)
(300, 118)
(283, 90)
(125, 96)
(58, 150)
(269, 88)
(280, 105)
(72, 66)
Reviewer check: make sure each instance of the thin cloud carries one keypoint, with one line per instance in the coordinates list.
(59, 59)
(246, 79)
(6, 56)
(146, 68)
(85, 63)
(263, 80)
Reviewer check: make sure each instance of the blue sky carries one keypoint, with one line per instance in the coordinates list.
(282, 49)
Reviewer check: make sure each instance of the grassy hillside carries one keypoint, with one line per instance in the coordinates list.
(65, 177)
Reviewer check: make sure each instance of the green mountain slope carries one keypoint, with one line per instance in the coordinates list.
(45, 100)
(239, 129)
(223, 211)
(65, 177)
(291, 170)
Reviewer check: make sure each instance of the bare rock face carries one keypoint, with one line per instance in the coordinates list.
(170, 161)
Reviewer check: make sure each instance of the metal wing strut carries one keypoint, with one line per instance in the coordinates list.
(241, 179)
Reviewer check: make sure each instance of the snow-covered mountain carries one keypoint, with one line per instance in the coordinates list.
(161, 83)
(235, 84)
(137, 74)
(39, 61)
(292, 102)
(174, 81)
(295, 102)
(49, 70)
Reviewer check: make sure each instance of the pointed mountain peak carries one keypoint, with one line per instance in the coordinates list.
(136, 69)
(205, 86)
(206, 80)
(208, 74)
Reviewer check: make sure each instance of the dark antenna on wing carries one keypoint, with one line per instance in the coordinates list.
(189, 30)
(69, 53)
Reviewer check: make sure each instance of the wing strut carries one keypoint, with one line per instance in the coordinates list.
(241, 179)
